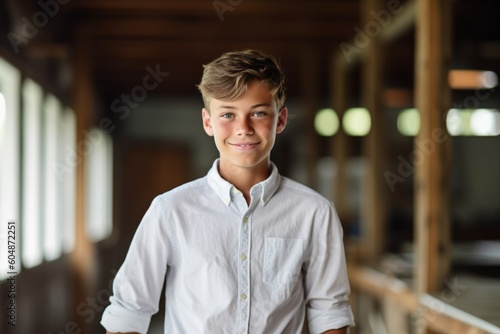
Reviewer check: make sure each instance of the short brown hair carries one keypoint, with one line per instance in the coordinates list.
(227, 77)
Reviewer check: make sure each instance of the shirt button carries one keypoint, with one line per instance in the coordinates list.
(243, 296)
(245, 219)
(243, 257)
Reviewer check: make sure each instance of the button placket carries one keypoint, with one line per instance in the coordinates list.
(244, 262)
(244, 299)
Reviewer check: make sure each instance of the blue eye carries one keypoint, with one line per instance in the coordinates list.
(260, 113)
(227, 115)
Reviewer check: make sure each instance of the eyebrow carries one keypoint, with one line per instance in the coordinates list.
(252, 107)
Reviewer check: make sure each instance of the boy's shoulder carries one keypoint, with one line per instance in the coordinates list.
(188, 189)
(292, 188)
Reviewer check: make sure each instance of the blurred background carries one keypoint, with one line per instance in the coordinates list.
(394, 115)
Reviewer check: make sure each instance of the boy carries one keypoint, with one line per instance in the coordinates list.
(243, 250)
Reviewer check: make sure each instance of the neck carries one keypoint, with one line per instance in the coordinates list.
(244, 178)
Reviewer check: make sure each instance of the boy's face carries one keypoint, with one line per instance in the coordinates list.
(245, 129)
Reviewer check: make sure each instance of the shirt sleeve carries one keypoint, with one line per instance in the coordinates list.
(138, 284)
(326, 282)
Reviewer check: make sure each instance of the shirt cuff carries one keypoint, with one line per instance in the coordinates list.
(117, 319)
(323, 320)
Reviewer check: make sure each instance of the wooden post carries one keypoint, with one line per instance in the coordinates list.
(375, 193)
(339, 142)
(82, 257)
(310, 93)
(432, 145)
(340, 152)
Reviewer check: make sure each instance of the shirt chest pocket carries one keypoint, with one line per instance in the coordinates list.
(282, 261)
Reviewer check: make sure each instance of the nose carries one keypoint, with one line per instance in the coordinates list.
(244, 127)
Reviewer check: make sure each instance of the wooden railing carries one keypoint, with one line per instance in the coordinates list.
(432, 312)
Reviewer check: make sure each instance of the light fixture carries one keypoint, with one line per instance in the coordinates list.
(357, 122)
(472, 79)
(326, 122)
(409, 122)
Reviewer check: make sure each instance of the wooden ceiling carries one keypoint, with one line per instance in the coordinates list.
(181, 35)
(123, 37)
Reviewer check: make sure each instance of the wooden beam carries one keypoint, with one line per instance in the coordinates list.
(432, 149)
(159, 28)
(206, 8)
(375, 190)
(183, 49)
(401, 23)
(382, 286)
(401, 20)
(47, 50)
(82, 257)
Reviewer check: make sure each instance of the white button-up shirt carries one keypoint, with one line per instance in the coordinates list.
(232, 267)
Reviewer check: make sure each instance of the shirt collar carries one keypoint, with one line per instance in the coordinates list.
(223, 188)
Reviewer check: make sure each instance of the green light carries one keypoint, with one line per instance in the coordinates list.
(409, 122)
(357, 122)
(326, 122)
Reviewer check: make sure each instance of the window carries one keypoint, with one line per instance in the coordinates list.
(473, 122)
(99, 171)
(485, 122)
(52, 190)
(32, 95)
(459, 122)
(38, 189)
(9, 157)
(66, 172)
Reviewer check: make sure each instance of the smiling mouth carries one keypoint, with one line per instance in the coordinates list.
(244, 147)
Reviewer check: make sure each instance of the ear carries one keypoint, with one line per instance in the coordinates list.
(207, 122)
(282, 117)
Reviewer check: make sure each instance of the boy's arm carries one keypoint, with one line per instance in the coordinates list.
(138, 284)
(325, 281)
